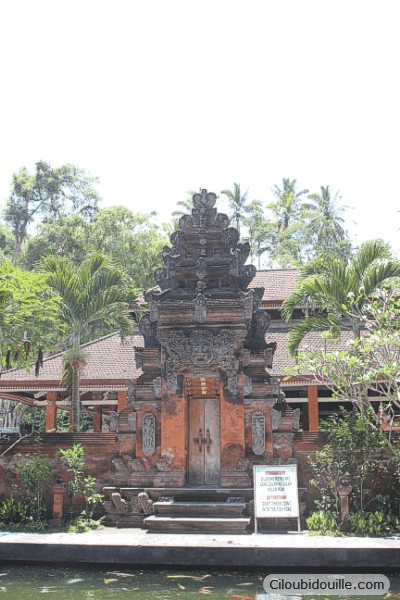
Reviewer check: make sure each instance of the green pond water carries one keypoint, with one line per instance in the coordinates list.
(101, 583)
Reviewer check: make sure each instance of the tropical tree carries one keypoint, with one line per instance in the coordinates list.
(325, 222)
(237, 203)
(287, 207)
(28, 316)
(92, 295)
(337, 291)
(49, 193)
(132, 240)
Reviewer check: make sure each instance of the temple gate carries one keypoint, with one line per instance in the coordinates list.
(205, 408)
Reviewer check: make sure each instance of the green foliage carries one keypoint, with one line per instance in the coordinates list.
(322, 522)
(13, 512)
(337, 291)
(131, 240)
(237, 203)
(356, 454)
(79, 484)
(49, 193)
(28, 315)
(374, 524)
(35, 474)
(92, 298)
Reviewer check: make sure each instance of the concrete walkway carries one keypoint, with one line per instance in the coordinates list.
(135, 546)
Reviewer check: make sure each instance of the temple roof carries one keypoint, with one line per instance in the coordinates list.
(277, 284)
(108, 361)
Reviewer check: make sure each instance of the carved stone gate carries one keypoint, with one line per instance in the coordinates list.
(205, 408)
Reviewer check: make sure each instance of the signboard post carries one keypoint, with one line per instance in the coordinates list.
(276, 493)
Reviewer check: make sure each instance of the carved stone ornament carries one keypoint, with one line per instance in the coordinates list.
(258, 433)
(276, 419)
(113, 420)
(148, 329)
(148, 434)
(247, 303)
(154, 312)
(296, 418)
(204, 214)
(255, 339)
(242, 464)
(200, 308)
(247, 385)
(157, 387)
(163, 465)
(131, 387)
(199, 351)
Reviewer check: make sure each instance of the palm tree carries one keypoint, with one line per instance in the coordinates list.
(326, 223)
(94, 294)
(237, 203)
(338, 291)
(287, 206)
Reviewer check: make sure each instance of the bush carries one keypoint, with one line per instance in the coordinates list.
(376, 524)
(323, 522)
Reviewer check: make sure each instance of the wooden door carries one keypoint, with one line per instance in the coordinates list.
(204, 442)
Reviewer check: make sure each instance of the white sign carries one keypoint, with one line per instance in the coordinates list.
(275, 492)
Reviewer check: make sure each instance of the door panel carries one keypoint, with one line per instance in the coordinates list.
(204, 442)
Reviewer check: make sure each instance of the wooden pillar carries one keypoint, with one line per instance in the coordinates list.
(51, 412)
(313, 419)
(97, 419)
(121, 399)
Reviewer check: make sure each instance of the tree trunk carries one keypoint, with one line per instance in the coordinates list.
(75, 401)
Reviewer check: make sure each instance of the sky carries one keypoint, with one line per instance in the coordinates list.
(159, 97)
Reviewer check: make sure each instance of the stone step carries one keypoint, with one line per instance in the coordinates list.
(227, 526)
(199, 509)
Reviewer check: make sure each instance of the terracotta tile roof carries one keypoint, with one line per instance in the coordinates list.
(278, 332)
(278, 283)
(108, 359)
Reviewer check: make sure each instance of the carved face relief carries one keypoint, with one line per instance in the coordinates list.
(201, 353)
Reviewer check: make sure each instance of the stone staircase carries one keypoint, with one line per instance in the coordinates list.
(199, 517)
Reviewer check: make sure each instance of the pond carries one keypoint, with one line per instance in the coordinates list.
(102, 583)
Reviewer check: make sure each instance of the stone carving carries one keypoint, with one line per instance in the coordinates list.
(247, 303)
(247, 273)
(235, 500)
(119, 465)
(258, 433)
(148, 434)
(113, 416)
(154, 312)
(250, 507)
(230, 237)
(276, 419)
(200, 308)
(202, 349)
(246, 357)
(269, 354)
(296, 418)
(148, 329)
(201, 268)
(169, 499)
(144, 504)
(132, 421)
(255, 339)
(242, 464)
(131, 391)
(141, 504)
(157, 387)
(247, 385)
(135, 464)
(161, 275)
(162, 464)
(117, 505)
